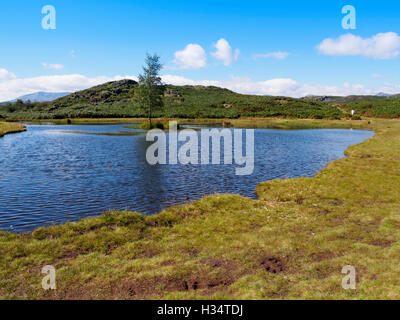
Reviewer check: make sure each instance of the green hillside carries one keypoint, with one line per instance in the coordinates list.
(386, 108)
(367, 106)
(114, 100)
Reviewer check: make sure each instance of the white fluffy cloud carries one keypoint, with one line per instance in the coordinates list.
(287, 87)
(377, 76)
(54, 66)
(192, 57)
(182, 81)
(225, 53)
(381, 46)
(5, 75)
(279, 55)
(284, 87)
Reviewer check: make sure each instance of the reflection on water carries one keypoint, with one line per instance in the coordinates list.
(49, 176)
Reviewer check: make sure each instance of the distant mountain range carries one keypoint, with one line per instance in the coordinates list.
(349, 99)
(41, 96)
(382, 94)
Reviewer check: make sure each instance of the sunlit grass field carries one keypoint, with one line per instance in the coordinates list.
(291, 243)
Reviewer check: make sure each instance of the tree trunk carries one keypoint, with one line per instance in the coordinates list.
(150, 117)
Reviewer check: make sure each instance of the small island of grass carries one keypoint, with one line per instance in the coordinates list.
(10, 127)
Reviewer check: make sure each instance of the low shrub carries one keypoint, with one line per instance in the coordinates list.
(148, 126)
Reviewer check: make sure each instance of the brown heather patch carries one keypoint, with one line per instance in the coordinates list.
(332, 201)
(358, 231)
(67, 255)
(140, 251)
(361, 273)
(321, 256)
(167, 263)
(273, 265)
(191, 252)
(325, 271)
(383, 243)
(366, 156)
(148, 253)
(110, 249)
(218, 274)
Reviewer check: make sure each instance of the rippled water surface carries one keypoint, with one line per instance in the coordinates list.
(53, 174)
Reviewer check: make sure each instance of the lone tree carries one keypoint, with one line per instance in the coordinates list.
(149, 92)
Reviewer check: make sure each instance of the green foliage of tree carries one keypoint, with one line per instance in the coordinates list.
(149, 93)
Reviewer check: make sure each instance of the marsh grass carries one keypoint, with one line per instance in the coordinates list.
(250, 122)
(291, 243)
(10, 127)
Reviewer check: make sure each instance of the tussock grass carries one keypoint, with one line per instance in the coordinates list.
(291, 243)
(10, 127)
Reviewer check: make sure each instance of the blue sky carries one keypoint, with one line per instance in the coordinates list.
(98, 40)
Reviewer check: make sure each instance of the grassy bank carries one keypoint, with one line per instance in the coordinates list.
(9, 127)
(243, 122)
(291, 243)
